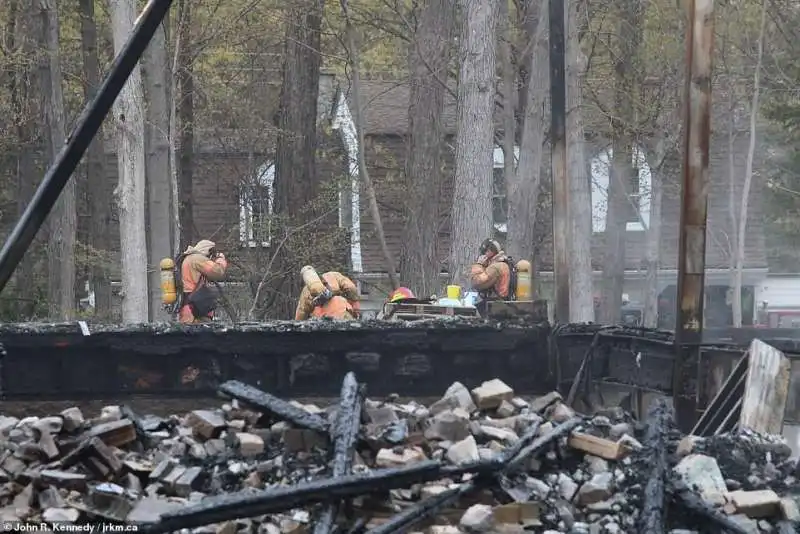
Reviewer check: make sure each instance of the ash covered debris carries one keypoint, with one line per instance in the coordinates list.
(475, 461)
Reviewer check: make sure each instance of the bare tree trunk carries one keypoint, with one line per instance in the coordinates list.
(509, 89)
(581, 289)
(523, 187)
(22, 105)
(296, 179)
(159, 190)
(472, 194)
(185, 122)
(63, 219)
(748, 176)
(130, 193)
(733, 219)
(653, 253)
(621, 174)
(362, 162)
(175, 231)
(99, 190)
(429, 57)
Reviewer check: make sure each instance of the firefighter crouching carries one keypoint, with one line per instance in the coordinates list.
(493, 273)
(331, 295)
(197, 266)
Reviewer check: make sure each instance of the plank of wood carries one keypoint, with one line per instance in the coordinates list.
(115, 433)
(595, 446)
(766, 390)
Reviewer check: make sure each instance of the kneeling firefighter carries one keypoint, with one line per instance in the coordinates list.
(331, 295)
(496, 277)
(193, 271)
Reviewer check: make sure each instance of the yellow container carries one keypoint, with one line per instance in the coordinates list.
(524, 280)
(169, 292)
(454, 292)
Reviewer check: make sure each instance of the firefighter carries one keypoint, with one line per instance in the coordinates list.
(491, 274)
(198, 266)
(331, 295)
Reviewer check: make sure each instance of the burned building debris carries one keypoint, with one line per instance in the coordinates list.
(483, 460)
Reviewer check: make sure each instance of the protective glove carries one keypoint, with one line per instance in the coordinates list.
(481, 260)
(322, 298)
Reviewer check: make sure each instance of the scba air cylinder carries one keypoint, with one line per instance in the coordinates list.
(312, 280)
(169, 291)
(524, 279)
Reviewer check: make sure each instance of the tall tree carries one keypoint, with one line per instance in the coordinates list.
(21, 93)
(185, 122)
(130, 192)
(581, 287)
(363, 172)
(748, 174)
(429, 57)
(157, 142)
(472, 194)
(523, 185)
(63, 219)
(622, 173)
(98, 190)
(296, 180)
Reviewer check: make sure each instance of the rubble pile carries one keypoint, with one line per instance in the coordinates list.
(475, 461)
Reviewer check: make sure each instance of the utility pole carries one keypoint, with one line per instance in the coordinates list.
(558, 160)
(694, 205)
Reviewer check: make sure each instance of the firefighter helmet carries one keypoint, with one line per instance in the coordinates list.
(401, 293)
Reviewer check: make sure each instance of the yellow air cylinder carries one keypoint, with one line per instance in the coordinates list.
(524, 280)
(169, 292)
(312, 281)
(454, 292)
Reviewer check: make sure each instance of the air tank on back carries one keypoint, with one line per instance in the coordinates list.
(524, 280)
(312, 280)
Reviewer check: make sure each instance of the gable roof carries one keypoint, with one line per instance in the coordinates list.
(386, 117)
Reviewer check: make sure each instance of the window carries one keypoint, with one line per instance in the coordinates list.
(499, 198)
(255, 208)
(640, 191)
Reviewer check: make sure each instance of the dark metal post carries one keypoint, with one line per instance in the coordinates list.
(558, 160)
(694, 202)
(87, 127)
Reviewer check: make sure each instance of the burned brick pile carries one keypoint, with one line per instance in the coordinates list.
(479, 461)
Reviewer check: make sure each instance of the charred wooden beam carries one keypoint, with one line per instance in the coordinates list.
(141, 434)
(659, 417)
(274, 500)
(274, 406)
(692, 502)
(423, 510)
(523, 442)
(522, 450)
(359, 526)
(539, 444)
(344, 434)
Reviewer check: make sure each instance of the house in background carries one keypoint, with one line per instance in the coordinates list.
(234, 194)
(386, 118)
(233, 189)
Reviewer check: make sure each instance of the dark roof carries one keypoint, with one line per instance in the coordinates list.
(718, 227)
(385, 107)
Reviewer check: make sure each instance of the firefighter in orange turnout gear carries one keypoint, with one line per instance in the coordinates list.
(200, 265)
(490, 275)
(331, 295)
